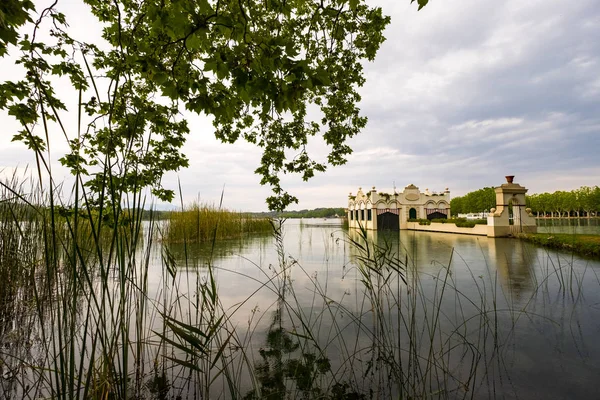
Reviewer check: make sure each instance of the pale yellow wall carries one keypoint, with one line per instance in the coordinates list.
(479, 230)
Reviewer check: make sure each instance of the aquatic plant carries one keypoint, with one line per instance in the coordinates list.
(204, 222)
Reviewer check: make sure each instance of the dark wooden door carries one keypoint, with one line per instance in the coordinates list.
(388, 221)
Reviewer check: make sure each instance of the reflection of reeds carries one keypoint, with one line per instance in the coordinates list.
(202, 222)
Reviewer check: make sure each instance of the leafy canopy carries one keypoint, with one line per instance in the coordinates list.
(273, 73)
(13, 14)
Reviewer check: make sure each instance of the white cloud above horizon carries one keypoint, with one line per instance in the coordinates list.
(461, 94)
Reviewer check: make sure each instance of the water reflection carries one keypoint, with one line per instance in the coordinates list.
(428, 254)
(514, 261)
(284, 360)
(199, 255)
(581, 226)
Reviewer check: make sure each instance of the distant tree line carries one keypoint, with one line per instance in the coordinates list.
(582, 202)
(155, 215)
(474, 202)
(315, 213)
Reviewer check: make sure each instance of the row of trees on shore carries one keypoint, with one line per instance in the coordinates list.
(314, 213)
(582, 202)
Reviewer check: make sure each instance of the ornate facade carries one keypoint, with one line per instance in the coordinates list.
(377, 210)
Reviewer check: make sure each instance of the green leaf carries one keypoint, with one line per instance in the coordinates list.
(422, 3)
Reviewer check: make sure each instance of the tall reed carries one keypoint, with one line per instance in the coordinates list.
(199, 222)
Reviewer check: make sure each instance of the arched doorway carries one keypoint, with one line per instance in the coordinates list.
(437, 215)
(514, 213)
(388, 220)
(412, 213)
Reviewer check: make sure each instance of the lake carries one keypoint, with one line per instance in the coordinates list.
(476, 317)
(320, 312)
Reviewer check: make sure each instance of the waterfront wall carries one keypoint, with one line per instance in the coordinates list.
(479, 230)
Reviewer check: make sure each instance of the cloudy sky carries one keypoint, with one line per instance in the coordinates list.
(461, 94)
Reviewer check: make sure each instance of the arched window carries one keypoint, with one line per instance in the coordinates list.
(412, 213)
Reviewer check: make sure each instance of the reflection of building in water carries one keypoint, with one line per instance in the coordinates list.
(417, 252)
(514, 263)
(377, 210)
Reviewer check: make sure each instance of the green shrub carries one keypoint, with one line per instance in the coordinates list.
(440, 220)
(459, 222)
(421, 221)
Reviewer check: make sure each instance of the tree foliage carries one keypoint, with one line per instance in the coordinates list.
(314, 213)
(578, 202)
(474, 202)
(584, 201)
(273, 73)
(13, 14)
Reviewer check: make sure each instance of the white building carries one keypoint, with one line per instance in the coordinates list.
(471, 216)
(377, 210)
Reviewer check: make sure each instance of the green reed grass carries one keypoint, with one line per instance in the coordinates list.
(204, 222)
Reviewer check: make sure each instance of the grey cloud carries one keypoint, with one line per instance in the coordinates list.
(492, 85)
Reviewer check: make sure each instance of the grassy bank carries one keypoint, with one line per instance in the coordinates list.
(202, 222)
(581, 244)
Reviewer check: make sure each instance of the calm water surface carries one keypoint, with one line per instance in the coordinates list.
(588, 226)
(502, 318)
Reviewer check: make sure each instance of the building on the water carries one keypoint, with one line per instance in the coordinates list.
(377, 210)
